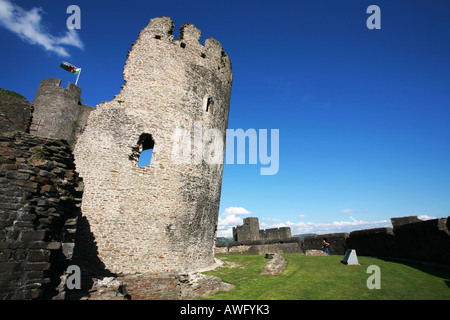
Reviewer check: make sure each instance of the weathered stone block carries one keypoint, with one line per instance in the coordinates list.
(25, 183)
(32, 236)
(8, 266)
(36, 266)
(38, 255)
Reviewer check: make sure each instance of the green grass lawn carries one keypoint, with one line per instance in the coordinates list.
(326, 278)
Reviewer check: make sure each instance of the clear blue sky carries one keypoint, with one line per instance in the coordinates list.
(364, 115)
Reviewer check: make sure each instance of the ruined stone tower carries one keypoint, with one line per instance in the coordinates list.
(58, 112)
(161, 217)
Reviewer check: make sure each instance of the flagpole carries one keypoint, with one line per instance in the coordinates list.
(78, 76)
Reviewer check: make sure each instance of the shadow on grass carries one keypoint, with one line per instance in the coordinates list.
(437, 270)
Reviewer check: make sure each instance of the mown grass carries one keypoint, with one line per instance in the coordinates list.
(326, 278)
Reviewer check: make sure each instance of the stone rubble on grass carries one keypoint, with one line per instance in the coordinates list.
(315, 253)
(275, 265)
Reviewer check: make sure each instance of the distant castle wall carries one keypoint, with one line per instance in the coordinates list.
(249, 230)
(275, 233)
(58, 112)
(284, 245)
(410, 239)
(248, 239)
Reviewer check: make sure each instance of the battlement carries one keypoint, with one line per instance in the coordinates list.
(249, 230)
(53, 85)
(189, 38)
(157, 60)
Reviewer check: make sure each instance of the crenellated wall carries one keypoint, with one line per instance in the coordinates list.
(275, 233)
(249, 230)
(248, 239)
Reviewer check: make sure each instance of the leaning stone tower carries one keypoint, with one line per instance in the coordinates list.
(161, 217)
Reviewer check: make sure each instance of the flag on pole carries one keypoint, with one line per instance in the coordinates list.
(70, 67)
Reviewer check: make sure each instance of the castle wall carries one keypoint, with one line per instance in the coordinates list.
(58, 112)
(275, 233)
(379, 242)
(424, 241)
(283, 245)
(409, 239)
(39, 208)
(162, 217)
(15, 111)
(249, 230)
(337, 241)
(248, 239)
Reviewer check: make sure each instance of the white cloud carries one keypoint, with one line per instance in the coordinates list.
(270, 219)
(349, 211)
(336, 226)
(302, 215)
(230, 218)
(236, 211)
(29, 27)
(225, 225)
(426, 217)
(270, 226)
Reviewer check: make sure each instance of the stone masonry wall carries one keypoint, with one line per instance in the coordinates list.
(283, 245)
(248, 239)
(379, 242)
(39, 207)
(337, 241)
(410, 239)
(427, 241)
(173, 286)
(15, 111)
(249, 230)
(275, 233)
(162, 217)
